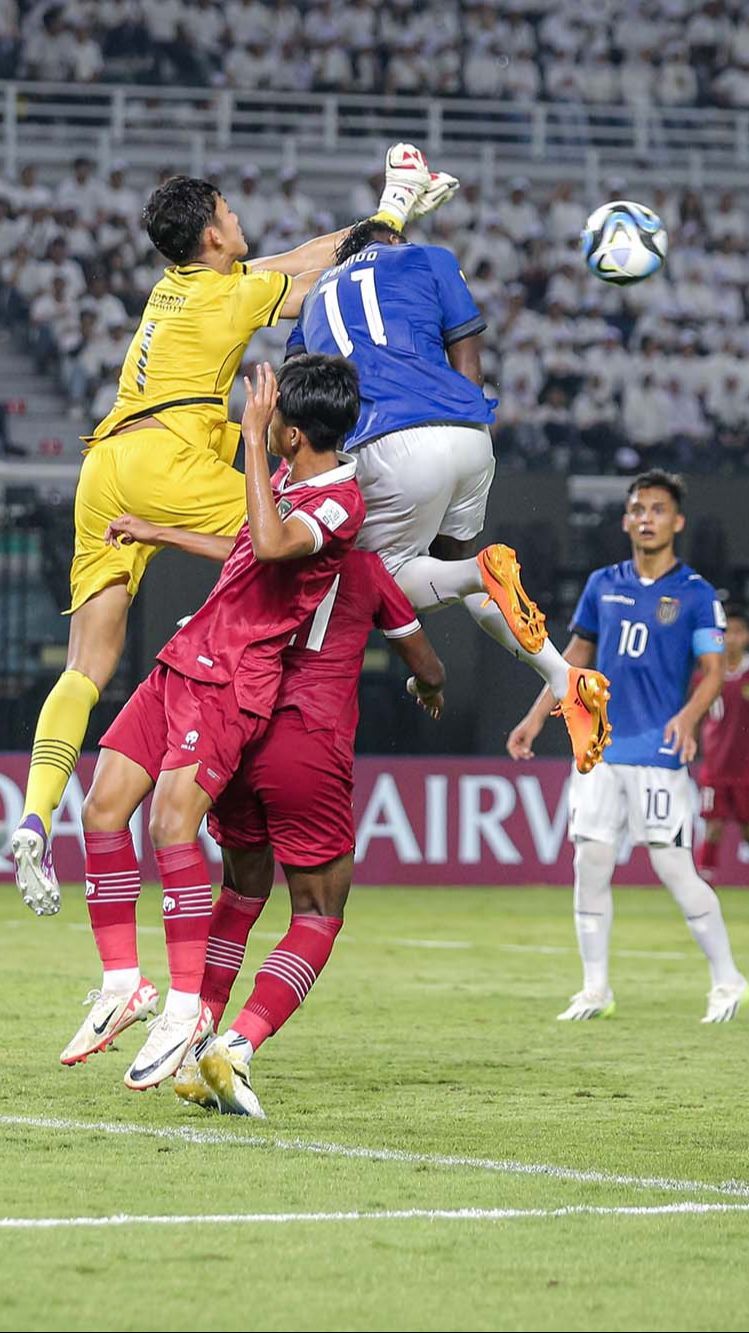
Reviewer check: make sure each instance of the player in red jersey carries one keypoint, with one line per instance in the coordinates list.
(185, 728)
(292, 799)
(724, 773)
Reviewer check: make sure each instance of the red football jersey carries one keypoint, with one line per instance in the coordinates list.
(321, 668)
(725, 732)
(245, 623)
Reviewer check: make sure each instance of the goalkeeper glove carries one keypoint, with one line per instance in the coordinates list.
(440, 188)
(407, 176)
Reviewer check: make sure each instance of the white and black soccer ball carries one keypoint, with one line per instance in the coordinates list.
(624, 242)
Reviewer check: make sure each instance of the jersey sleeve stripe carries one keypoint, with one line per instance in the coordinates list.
(466, 330)
(404, 630)
(313, 526)
(276, 311)
(707, 641)
(588, 634)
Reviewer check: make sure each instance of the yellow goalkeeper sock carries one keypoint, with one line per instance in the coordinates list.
(57, 743)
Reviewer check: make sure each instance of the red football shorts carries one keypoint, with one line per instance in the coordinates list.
(725, 800)
(173, 722)
(293, 790)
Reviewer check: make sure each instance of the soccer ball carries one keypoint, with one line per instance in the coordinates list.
(623, 242)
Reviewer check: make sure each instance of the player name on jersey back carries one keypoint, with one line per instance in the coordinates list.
(393, 310)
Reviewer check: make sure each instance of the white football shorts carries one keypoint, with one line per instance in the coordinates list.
(652, 805)
(421, 483)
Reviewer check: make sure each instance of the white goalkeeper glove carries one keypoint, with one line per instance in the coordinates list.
(407, 176)
(441, 187)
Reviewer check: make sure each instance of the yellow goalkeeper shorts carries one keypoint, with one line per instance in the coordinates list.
(159, 477)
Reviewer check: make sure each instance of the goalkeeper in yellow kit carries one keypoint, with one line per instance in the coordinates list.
(165, 451)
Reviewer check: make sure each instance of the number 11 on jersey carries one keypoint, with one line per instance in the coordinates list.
(366, 279)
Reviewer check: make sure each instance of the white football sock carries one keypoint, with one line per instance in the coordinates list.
(594, 910)
(431, 584)
(238, 1044)
(549, 662)
(676, 869)
(181, 1004)
(120, 980)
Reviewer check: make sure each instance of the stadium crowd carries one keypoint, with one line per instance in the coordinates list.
(591, 377)
(669, 52)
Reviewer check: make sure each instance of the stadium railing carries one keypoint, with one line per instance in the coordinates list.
(316, 129)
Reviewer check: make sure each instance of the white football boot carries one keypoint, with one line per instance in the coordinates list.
(229, 1078)
(110, 1014)
(169, 1040)
(588, 1004)
(189, 1083)
(35, 873)
(724, 1002)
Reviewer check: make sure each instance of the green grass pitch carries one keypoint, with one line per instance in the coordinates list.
(432, 1035)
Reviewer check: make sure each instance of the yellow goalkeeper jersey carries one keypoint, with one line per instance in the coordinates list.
(183, 359)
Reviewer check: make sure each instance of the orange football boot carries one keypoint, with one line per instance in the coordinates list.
(585, 717)
(500, 573)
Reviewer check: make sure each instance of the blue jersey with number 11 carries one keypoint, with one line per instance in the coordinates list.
(648, 634)
(393, 310)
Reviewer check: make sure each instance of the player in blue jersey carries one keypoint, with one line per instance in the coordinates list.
(403, 313)
(646, 622)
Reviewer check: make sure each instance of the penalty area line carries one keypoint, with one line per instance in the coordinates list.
(189, 1135)
(690, 1208)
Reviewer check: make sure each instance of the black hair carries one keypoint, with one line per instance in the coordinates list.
(362, 234)
(735, 611)
(665, 481)
(320, 395)
(176, 215)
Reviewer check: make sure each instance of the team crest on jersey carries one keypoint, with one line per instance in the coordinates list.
(744, 695)
(667, 611)
(284, 507)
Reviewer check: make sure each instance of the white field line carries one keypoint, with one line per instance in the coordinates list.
(670, 954)
(691, 1208)
(187, 1134)
(430, 944)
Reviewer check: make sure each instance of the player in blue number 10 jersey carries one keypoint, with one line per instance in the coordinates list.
(404, 315)
(646, 622)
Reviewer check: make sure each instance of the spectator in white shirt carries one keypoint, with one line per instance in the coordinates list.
(645, 412)
(209, 30)
(727, 219)
(731, 87)
(58, 264)
(287, 21)
(483, 73)
(86, 58)
(638, 77)
(566, 214)
(118, 200)
(79, 238)
(47, 53)
(82, 190)
(608, 360)
(55, 323)
(293, 69)
(108, 308)
(249, 67)
(599, 79)
(677, 82)
(595, 405)
(332, 69)
(28, 193)
(518, 214)
(521, 79)
(249, 20)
